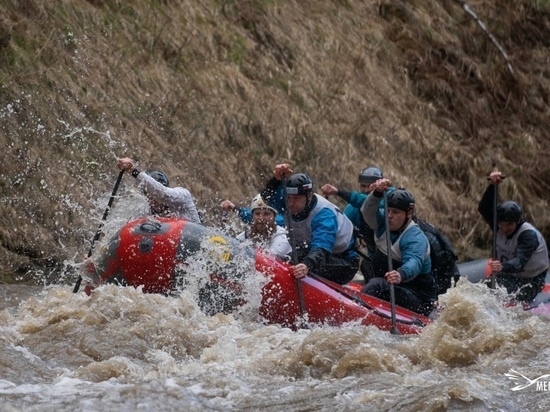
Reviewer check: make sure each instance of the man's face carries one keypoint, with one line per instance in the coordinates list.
(297, 203)
(263, 216)
(365, 188)
(263, 221)
(507, 228)
(396, 218)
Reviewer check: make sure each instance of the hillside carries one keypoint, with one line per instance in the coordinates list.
(216, 92)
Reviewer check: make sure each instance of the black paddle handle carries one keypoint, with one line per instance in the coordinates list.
(98, 232)
(106, 212)
(288, 222)
(495, 228)
(394, 330)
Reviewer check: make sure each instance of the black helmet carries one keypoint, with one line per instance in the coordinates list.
(401, 199)
(509, 211)
(299, 184)
(370, 175)
(159, 177)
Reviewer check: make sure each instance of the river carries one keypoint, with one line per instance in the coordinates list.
(122, 350)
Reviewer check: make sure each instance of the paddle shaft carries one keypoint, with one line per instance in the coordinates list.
(495, 229)
(288, 221)
(390, 267)
(98, 232)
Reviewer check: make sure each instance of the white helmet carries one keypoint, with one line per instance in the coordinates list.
(259, 203)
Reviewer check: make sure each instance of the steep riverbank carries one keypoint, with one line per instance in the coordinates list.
(215, 93)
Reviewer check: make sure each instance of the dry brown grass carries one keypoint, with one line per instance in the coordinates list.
(217, 92)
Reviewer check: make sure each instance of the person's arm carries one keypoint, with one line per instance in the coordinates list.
(177, 199)
(344, 194)
(172, 197)
(485, 206)
(274, 195)
(527, 245)
(324, 227)
(371, 208)
(245, 214)
(273, 191)
(356, 199)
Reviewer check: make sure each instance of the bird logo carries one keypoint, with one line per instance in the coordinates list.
(516, 376)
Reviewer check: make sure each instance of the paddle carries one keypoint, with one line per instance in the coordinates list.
(394, 330)
(98, 232)
(495, 228)
(288, 220)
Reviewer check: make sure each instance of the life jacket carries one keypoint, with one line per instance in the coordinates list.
(506, 249)
(344, 234)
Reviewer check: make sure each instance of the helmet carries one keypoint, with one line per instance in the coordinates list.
(259, 203)
(370, 175)
(401, 199)
(159, 177)
(509, 211)
(299, 184)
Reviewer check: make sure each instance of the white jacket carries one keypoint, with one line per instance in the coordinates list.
(278, 242)
(177, 199)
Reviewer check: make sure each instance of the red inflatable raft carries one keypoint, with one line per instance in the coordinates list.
(155, 253)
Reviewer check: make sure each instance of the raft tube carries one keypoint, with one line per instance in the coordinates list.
(153, 253)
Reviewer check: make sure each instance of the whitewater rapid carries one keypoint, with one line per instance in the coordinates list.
(122, 350)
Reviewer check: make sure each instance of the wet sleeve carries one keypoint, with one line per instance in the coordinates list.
(245, 214)
(485, 206)
(371, 208)
(315, 257)
(344, 194)
(269, 191)
(177, 198)
(273, 194)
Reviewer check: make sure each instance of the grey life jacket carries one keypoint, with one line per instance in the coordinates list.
(381, 243)
(506, 249)
(302, 229)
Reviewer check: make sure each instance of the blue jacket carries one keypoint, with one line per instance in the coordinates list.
(409, 251)
(318, 228)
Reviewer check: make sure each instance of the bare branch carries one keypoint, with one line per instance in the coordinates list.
(489, 34)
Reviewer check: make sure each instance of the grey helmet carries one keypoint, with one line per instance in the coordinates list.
(299, 184)
(159, 177)
(370, 175)
(509, 211)
(401, 199)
